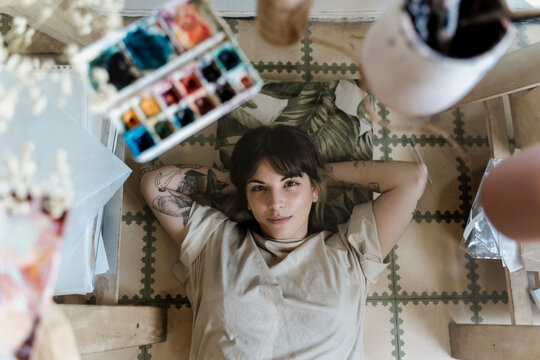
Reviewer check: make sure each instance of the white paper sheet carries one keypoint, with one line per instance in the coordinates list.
(95, 172)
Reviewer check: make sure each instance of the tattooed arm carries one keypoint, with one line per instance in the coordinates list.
(401, 185)
(168, 192)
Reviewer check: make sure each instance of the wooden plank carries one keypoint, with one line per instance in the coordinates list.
(494, 342)
(56, 339)
(106, 289)
(101, 328)
(496, 125)
(120, 354)
(517, 286)
(526, 116)
(516, 71)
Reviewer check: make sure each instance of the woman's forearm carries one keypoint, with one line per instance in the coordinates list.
(378, 176)
(190, 179)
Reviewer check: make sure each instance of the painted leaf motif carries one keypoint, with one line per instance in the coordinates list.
(314, 111)
(282, 90)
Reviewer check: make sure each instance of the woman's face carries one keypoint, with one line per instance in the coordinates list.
(281, 205)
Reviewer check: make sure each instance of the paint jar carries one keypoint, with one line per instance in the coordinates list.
(282, 22)
(407, 75)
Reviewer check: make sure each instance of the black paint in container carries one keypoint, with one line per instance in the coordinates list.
(225, 92)
(163, 129)
(120, 69)
(184, 116)
(210, 71)
(138, 140)
(228, 58)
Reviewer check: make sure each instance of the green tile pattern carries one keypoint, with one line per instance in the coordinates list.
(386, 143)
(5, 23)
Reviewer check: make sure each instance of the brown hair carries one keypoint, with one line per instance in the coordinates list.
(290, 152)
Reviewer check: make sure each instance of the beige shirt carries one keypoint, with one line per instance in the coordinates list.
(255, 298)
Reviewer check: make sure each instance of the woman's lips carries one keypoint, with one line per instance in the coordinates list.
(279, 220)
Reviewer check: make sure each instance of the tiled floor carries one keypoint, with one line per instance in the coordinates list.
(430, 281)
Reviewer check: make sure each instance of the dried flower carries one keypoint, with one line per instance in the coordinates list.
(18, 188)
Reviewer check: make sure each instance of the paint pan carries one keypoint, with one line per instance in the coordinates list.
(167, 76)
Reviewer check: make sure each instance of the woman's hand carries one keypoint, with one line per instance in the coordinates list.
(401, 185)
(168, 192)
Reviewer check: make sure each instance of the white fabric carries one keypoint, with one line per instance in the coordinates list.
(301, 299)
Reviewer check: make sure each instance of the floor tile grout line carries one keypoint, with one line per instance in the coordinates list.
(278, 67)
(306, 50)
(396, 331)
(5, 24)
(405, 296)
(466, 200)
(147, 217)
(393, 286)
(144, 353)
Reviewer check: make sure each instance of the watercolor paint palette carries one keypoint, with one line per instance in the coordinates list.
(167, 76)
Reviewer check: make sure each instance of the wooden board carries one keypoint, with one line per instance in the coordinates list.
(516, 71)
(517, 286)
(102, 328)
(496, 126)
(494, 342)
(526, 116)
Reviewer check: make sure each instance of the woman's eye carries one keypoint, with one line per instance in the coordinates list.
(291, 183)
(257, 188)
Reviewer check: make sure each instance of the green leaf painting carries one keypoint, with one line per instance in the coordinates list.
(310, 106)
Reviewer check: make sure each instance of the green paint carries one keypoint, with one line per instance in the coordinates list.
(278, 67)
(178, 301)
(397, 332)
(144, 353)
(233, 24)
(438, 216)
(333, 68)
(307, 58)
(384, 132)
(472, 266)
(465, 188)
(128, 218)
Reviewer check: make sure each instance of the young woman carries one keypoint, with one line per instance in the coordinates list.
(273, 288)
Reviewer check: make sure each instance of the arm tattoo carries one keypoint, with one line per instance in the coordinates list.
(145, 170)
(173, 205)
(373, 186)
(213, 185)
(192, 183)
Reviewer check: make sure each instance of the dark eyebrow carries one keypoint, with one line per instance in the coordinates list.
(262, 182)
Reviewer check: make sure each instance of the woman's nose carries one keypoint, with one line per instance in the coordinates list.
(276, 200)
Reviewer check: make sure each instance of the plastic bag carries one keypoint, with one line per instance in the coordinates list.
(481, 240)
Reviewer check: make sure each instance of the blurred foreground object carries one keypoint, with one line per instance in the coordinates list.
(32, 218)
(411, 69)
(511, 195)
(282, 22)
